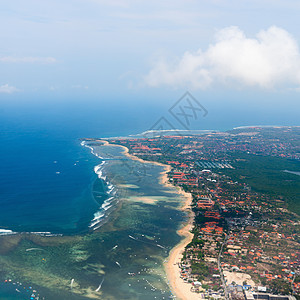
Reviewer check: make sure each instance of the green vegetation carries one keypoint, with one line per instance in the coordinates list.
(265, 175)
(200, 269)
(280, 287)
(251, 210)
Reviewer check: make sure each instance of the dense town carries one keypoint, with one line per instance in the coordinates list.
(246, 240)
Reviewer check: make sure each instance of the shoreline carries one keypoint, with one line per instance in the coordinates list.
(178, 286)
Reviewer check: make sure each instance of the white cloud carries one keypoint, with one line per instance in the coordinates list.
(271, 59)
(8, 89)
(28, 59)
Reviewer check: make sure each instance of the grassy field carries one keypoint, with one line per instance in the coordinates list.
(265, 174)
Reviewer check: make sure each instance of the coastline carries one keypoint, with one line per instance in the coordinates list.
(178, 286)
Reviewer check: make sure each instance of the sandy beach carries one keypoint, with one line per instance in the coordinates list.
(181, 289)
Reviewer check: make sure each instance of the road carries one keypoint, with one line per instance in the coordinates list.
(220, 268)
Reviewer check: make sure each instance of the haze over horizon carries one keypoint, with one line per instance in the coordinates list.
(95, 204)
(240, 59)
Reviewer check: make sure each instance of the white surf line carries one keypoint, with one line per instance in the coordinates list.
(6, 232)
(100, 285)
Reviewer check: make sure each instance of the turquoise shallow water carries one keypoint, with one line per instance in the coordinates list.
(125, 254)
(14, 291)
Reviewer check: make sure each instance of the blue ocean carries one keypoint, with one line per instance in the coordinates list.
(46, 181)
(46, 175)
(52, 199)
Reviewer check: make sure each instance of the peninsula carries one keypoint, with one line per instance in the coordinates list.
(242, 237)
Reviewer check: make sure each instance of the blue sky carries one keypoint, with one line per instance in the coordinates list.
(151, 50)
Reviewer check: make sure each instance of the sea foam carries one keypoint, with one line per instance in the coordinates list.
(107, 206)
(6, 232)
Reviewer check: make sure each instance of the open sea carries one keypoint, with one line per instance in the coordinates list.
(79, 220)
(81, 225)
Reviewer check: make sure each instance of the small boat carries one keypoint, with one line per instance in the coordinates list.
(100, 285)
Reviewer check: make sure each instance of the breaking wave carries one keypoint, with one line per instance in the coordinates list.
(107, 199)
